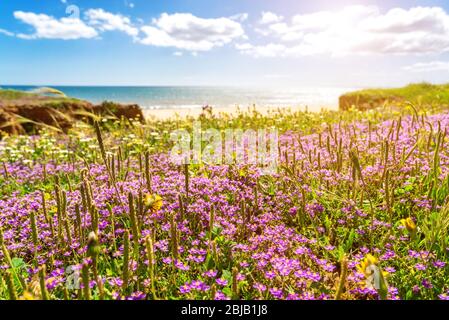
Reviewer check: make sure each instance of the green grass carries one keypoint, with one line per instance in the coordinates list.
(347, 182)
(8, 94)
(420, 93)
(16, 97)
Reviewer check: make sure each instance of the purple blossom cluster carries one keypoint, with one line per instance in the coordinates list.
(221, 234)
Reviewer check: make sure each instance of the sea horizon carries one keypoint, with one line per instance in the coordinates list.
(155, 97)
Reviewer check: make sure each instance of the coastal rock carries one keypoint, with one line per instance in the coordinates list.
(9, 124)
(27, 116)
(60, 117)
(130, 112)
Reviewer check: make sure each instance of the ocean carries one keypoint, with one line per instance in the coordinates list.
(166, 97)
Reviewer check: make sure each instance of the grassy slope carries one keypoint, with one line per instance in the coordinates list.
(15, 94)
(418, 93)
(16, 97)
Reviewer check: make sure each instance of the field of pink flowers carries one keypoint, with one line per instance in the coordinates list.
(357, 210)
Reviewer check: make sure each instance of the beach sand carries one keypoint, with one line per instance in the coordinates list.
(164, 114)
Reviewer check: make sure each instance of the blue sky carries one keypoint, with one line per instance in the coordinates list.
(284, 43)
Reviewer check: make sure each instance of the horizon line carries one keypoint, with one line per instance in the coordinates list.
(191, 86)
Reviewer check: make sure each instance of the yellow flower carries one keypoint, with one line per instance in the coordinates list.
(366, 262)
(153, 201)
(409, 224)
(27, 296)
(371, 259)
(375, 277)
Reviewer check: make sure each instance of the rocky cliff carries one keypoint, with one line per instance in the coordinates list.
(22, 113)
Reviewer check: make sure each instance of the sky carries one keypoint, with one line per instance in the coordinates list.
(262, 43)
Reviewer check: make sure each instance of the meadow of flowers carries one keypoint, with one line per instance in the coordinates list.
(357, 210)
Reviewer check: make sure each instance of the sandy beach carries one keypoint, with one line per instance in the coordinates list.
(164, 114)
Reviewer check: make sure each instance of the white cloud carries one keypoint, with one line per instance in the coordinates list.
(276, 76)
(240, 17)
(178, 53)
(270, 17)
(106, 21)
(355, 30)
(6, 33)
(188, 32)
(244, 46)
(268, 50)
(428, 66)
(47, 27)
